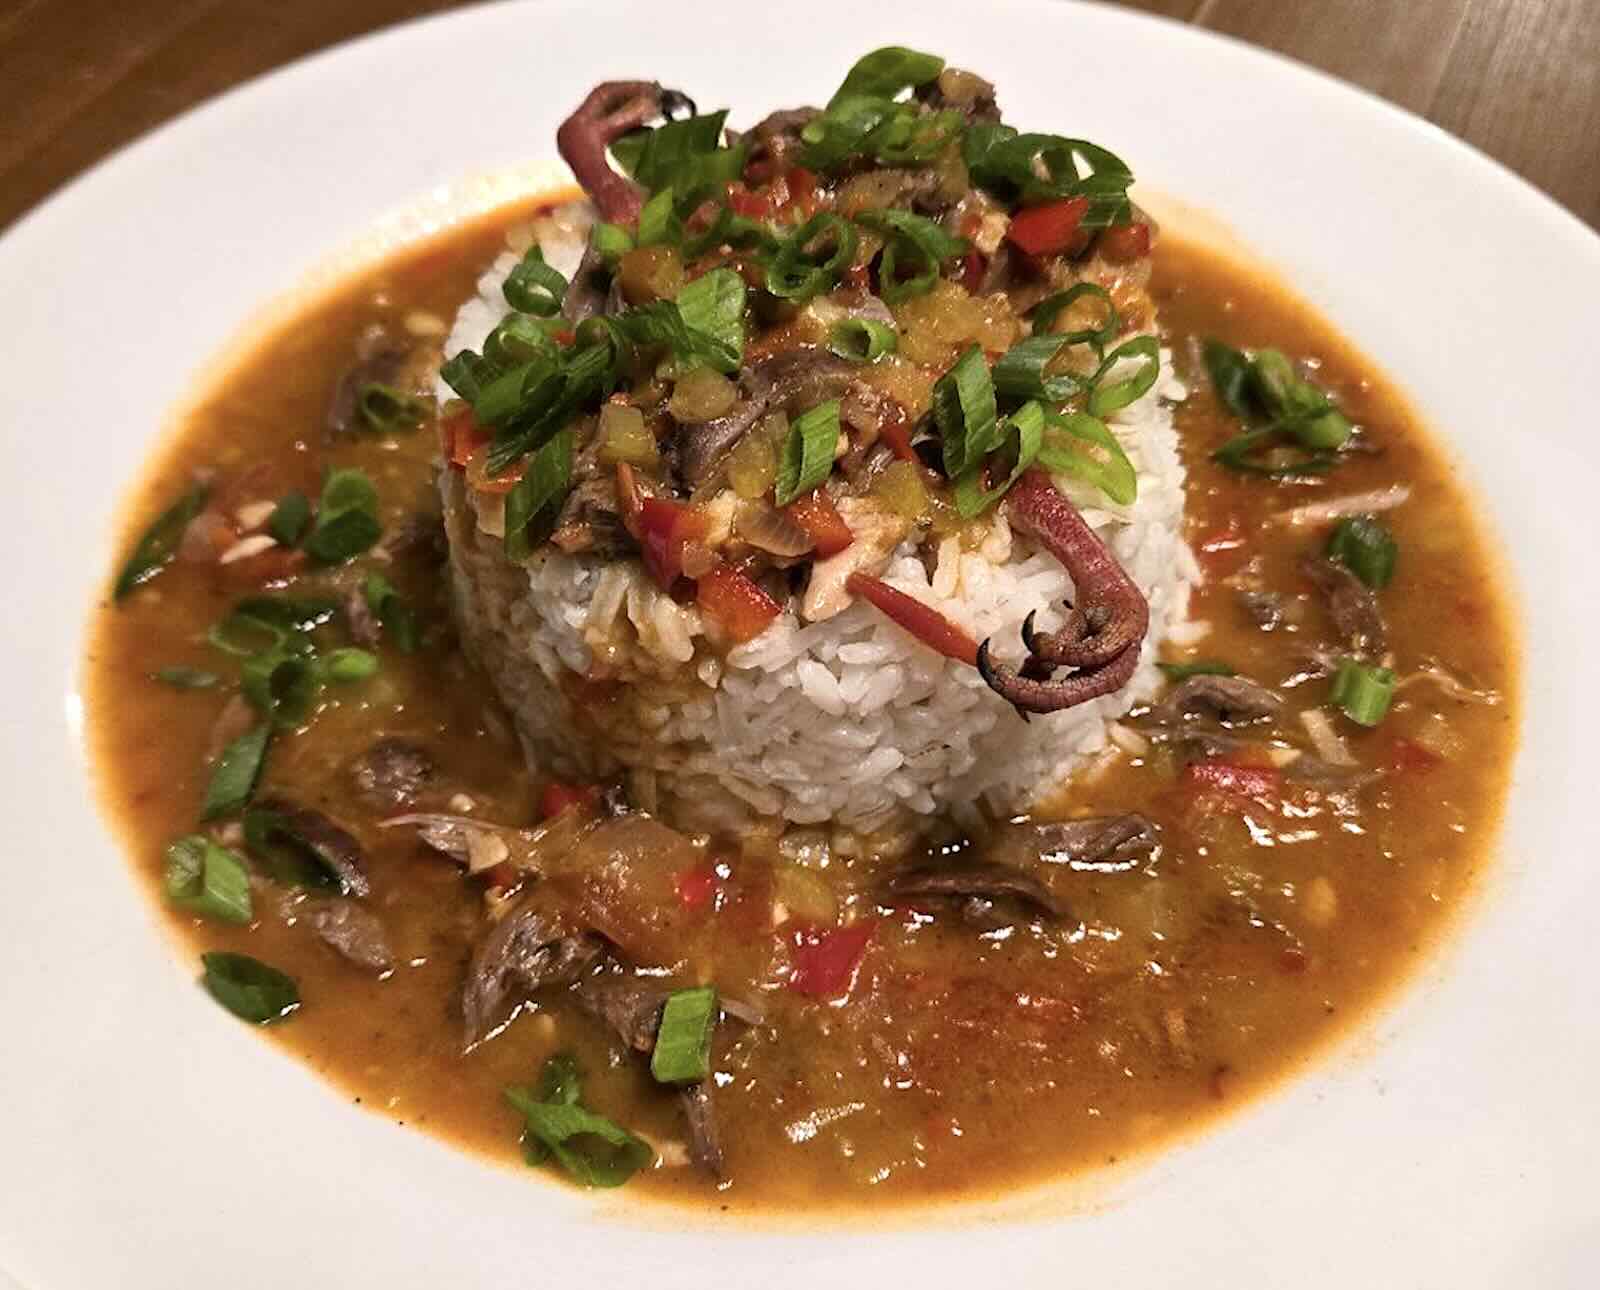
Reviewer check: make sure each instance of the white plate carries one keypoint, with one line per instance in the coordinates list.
(147, 1140)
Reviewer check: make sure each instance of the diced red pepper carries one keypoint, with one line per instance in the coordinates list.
(1048, 229)
(739, 606)
(824, 961)
(928, 625)
(802, 183)
(1124, 243)
(751, 205)
(820, 518)
(1219, 548)
(1226, 777)
(972, 271)
(1408, 754)
(463, 437)
(558, 797)
(698, 887)
(481, 481)
(664, 528)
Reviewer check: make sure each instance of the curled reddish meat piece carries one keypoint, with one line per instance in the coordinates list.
(612, 109)
(1104, 629)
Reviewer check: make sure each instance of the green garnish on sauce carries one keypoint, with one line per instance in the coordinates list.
(807, 455)
(249, 988)
(1364, 546)
(596, 1152)
(1363, 691)
(682, 1054)
(1203, 667)
(205, 878)
(347, 518)
(159, 542)
(234, 777)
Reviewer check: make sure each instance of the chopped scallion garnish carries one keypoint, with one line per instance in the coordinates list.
(1022, 433)
(347, 518)
(1364, 546)
(713, 306)
(862, 340)
(159, 543)
(964, 412)
(1204, 667)
(281, 684)
(249, 988)
(533, 505)
(682, 1054)
(186, 678)
(1080, 445)
(1363, 690)
(915, 249)
(807, 456)
(233, 779)
(533, 287)
(398, 619)
(207, 879)
(1106, 399)
(289, 518)
(596, 1152)
(813, 258)
(388, 410)
(347, 665)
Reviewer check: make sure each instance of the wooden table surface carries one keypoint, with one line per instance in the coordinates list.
(1520, 79)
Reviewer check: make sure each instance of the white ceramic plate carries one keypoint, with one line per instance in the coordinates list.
(147, 1140)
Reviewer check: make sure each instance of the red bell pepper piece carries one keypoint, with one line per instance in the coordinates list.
(558, 797)
(751, 205)
(1124, 243)
(739, 606)
(1226, 777)
(824, 961)
(928, 625)
(664, 527)
(820, 518)
(698, 887)
(1408, 754)
(972, 270)
(802, 183)
(1048, 229)
(463, 437)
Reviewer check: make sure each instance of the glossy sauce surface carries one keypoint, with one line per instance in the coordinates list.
(966, 1058)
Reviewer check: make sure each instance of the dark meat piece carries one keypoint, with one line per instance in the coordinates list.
(1352, 604)
(983, 880)
(420, 533)
(1263, 608)
(391, 774)
(529, 948)
(587, 292)
(1231, 700)
(351, 929)
(1105, 627)
(705, 1143)
(776, 140)
(1101, 842)
(1195, 744)
(631, 1007)
(964, 91)
(611, 111)
(589, 521)
(318, 838)
(359, 620)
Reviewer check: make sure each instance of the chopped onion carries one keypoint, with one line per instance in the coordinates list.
(1336, 508)
(1324, 738)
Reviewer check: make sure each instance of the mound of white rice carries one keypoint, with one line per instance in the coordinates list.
(849, 720)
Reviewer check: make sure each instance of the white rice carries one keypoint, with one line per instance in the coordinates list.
(849, 720)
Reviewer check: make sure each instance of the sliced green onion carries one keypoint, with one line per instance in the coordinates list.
(1050, 308)
(467, 374)
(347, 518)
(1106, 399)
(1365, 547)
(1080, 445)
(291, 613)
(1205, 667)
(159, 542)
(346, 665)
(590, 1147)
(282, 686)
(1299, 408)
(797, 272)
(533, 287)
(659, 224)
(713, 306)
(186, 678)
(913, 253)
(1229, 370)
(533, 505)
(1019, 373)
(610, 241)
(964, 412)
(289, 518)
(682, 1053)
(661, 323)
(808, 452)
(1240, 453)
(398, 619)
(248, 988)
(388, 410)
(518, 339)
(1048, 167)
(849, 128)
(861, 340)
(888, 72)
(207, 879)
(1363, 691)
(233, 779)
(686, 155)
(1023, 430)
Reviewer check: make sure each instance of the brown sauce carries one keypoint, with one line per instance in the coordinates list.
(962, 1063)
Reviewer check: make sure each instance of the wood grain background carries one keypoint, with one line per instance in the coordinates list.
(1519, 79)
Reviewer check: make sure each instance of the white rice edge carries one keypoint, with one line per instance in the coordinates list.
(852, 721)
